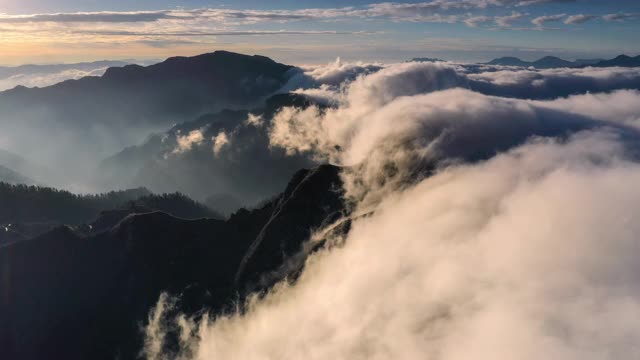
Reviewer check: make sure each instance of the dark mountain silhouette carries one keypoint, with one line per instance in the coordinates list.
(85, 120)
(181, 87)
(64, 295)
(621, 60)
(35, 205)
(509, 61)
(247, 169)
(549, 62)
(425, 59)
(22, 203)
(224, 203)
(587, 62)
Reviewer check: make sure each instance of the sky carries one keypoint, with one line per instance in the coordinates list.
(312, 32)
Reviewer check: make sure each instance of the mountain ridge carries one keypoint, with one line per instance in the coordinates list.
(87, 119)
(549, 62)
(106, 284)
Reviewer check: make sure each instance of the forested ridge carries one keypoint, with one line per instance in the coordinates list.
(23, 203)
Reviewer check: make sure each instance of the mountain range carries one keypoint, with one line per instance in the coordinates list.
(549, 62)
(85, 120)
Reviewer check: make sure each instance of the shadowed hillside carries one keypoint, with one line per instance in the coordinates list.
(35, 204)
(102, 287)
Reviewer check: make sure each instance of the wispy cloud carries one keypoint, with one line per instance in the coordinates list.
(541, 20)
(108, 17)
(430, 11)
(538, 2)
(232, 33)
(23, 34)
(621, 16)
(579, 19)
(474, 21)
(506, 21)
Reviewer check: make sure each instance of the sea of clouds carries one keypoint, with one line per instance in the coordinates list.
(46, 75)
(503, 226)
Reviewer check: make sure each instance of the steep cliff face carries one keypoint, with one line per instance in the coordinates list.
(64, 295)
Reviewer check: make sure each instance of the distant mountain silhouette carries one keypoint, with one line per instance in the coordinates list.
(99, 289)
(178, 86)
(621, 60)
(87, 119)
(509, 61)
(23, 204)
(587, 61)
(549, 62)
(425, 59)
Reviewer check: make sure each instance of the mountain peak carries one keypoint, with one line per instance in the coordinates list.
(199, 65)
(552, 62)
(549, 57)
(509, 61)
(621, 60)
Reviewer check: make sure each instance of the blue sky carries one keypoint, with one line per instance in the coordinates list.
(307, 31)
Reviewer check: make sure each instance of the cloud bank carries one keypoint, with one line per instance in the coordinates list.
(499, 228)
(553, 83)
(508, 254)
(45, 75)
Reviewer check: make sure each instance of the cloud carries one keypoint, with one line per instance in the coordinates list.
(219, 142)
(419, 12)
(97, 26)
(621, 106)
(225, 33)
(295, 129)
(430, 11)
(426, 11)
(397, 92)
(440, 273)
(105, 16)
(187, 142)
(579, 19)
(621, 16)
(255, 120)
(507, 20)
(537, 2)
(154, 29)
(474, 21)
(332, 74)
(489, 80)
(541, 20)
(42, 79)
(493, 224)
(553, 83)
